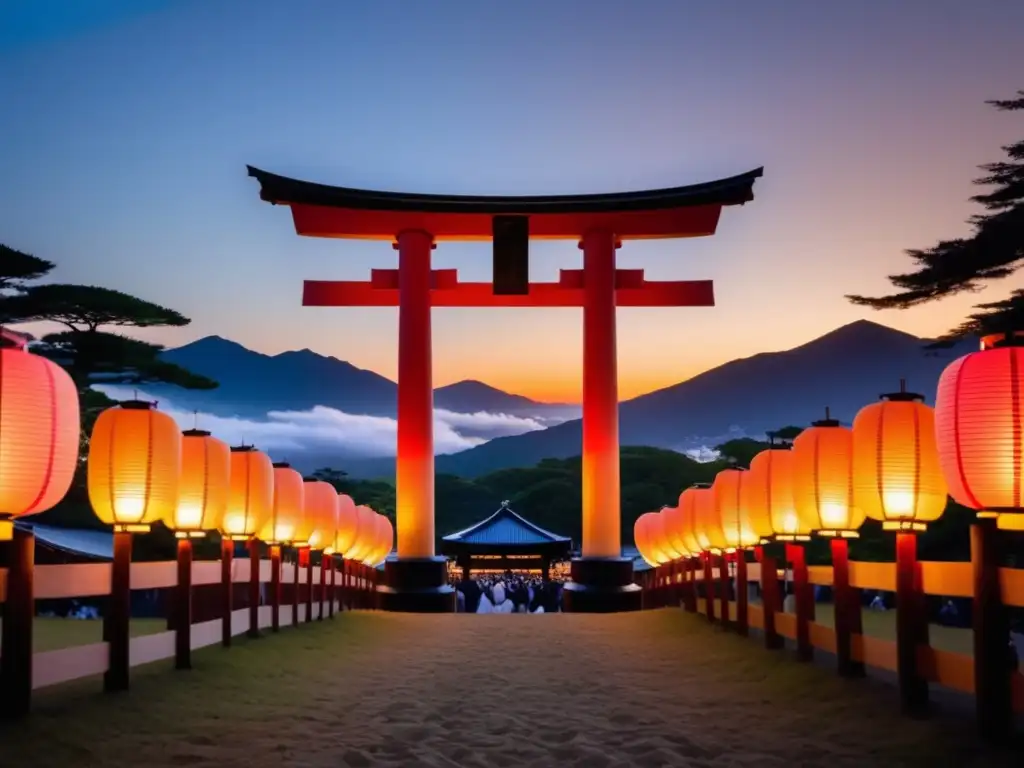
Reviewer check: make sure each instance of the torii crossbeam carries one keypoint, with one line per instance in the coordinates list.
(601, 578)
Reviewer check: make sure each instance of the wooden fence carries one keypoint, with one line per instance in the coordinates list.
(718, 588)
(294, 594)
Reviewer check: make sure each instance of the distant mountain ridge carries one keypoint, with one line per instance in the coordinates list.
(845, 369)
(253, 383)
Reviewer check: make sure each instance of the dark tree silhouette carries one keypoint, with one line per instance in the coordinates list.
(994, 250)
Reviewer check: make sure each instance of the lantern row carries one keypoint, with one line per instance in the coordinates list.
(142, 469)
(897, 464)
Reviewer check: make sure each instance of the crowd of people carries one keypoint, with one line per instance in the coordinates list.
(507, 593)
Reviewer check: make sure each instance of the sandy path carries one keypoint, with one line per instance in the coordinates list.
(654, 689)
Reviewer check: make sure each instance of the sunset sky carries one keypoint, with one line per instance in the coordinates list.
(126, 129)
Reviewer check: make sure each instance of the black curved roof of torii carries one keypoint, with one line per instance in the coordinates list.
(734, 190)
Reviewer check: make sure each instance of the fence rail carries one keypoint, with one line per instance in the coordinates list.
(716, 586)
(286, 594)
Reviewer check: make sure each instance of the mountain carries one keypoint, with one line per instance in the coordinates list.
(473, 396)
(252, 383)
(844, 370)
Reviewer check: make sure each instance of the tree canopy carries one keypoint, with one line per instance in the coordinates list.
(994, 250)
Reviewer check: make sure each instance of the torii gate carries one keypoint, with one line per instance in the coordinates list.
(602, 580)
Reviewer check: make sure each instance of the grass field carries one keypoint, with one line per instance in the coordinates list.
(374, 689)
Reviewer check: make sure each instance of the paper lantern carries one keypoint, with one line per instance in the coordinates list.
(287, 508)
(978, 421)
(896, 473)
(366, 535)
(39, 432)
(251, 494)
(708, 524)
(381, 545)
(687, 507)
(389, 539)
(202, 486)
(673, 522)
(659, 540)
(823, 479)
(321, 513)
(348, 526)
(134, 466)
(642, 539)
(769, 493)
(728, 493)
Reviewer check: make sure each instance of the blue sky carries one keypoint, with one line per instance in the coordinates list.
(127, 128)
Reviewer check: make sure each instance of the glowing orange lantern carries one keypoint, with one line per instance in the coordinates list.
(366, 537)
(768, 491)
(708, 524)
(322, 514)
(659, 539)
(728, 493)
(687, 506)
(251, 495)
(348, 526)
(978, 426)
(134, 466)
(641, 538)
(287, 508)
(896, 472)
(203, 485)
(673, 521)
(823, 479)
(382, 545)
(39, 432)
(389, 539)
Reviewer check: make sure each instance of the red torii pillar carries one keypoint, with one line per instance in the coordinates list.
(602, 580)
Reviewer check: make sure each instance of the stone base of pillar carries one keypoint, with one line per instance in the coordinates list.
(417, 585)
(601, 585)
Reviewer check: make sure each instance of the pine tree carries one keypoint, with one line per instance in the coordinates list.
(994, 250)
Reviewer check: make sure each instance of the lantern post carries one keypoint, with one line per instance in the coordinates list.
(743, 530)
(713, 540)
(691, 543)
(823, 492)
(769, 492)
(981, 451)
(249, 508)
(898, 481)
(322, 519)
(40, 423)
(134, 472)
(286, 518)
(202, 499)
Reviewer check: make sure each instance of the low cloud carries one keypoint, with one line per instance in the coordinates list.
(322, 429)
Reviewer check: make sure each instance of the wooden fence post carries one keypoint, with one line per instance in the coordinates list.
(16, 642)
(724, 589)
(910, 616)
(994, 702)
(183, 606)
(227, 554)
(254, 588)
(116, 623)
(309, 584)
(275, 588)
(742, 623)
(333, 591)
(709, 588)
(804, 593)
(296, 581)
(846, 600)
(770, 603)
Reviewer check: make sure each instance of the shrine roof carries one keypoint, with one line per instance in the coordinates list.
(505, 527)
(734, 190)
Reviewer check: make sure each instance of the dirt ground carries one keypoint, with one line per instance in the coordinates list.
(660, 688)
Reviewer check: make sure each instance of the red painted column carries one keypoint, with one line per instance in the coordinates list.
(414, 480)
(601, 513)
